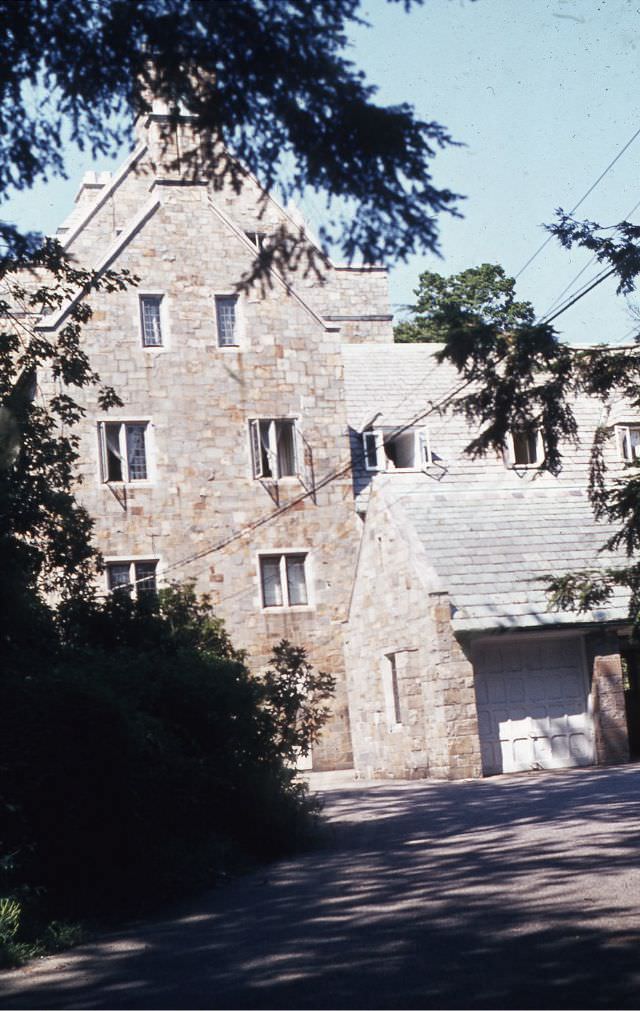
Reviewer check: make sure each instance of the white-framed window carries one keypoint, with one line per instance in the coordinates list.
(283, 579)
(136, 578)
(275, 447)
(525, 448)
(124, 455)
(227, 320)
(151, 321)
(390, 449)
(628, 437)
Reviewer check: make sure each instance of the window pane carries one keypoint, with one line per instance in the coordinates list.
(370, 450)
(400, 450)
(145, 577)
(267, 468)
(270, 576)
(525, 447)
(226, 319)
(118, 577)
(151, 326)
(136, 452)
(634, 443)
(296, 583)
(112, 453)
(285, 448)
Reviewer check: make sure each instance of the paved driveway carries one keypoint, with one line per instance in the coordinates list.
(513, 892)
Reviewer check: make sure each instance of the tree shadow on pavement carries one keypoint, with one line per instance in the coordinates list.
(514, 892)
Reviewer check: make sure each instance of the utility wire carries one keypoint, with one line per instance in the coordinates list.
(333, 475)
(582, 290)
(581, 200)
(593, 259)
(596, 282)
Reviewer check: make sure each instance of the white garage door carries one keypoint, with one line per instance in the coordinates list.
(532, 705)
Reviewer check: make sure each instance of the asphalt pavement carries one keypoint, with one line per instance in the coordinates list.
(512, 892)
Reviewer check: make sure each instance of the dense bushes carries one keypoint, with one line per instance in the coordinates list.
(139, 758)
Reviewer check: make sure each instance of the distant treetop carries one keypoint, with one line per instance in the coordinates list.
(478, 295)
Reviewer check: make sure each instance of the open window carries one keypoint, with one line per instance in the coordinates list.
(283, 580)
(137, 579)
(123, 451)
(393, 449)
(525, 448)
(628, 438)
(275, 448)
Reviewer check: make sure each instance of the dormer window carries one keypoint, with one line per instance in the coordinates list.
(390, 449)
(628, 437)
(525, 448)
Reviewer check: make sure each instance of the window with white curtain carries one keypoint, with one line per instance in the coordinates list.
(274, 447)
(283, 580)
(628, 442)
(134, 578)
(396, 449)
(151, 320)
(123, 451)
(226, 320)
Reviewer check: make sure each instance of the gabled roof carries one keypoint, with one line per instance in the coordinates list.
(492, 553)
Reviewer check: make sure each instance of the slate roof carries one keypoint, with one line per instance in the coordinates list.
(492, 552)
(489, 531)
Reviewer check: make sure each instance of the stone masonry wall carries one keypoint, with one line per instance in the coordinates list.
(607, 688)
(201, 514)
(395, 612)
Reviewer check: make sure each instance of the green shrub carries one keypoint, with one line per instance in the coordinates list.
(140, 760)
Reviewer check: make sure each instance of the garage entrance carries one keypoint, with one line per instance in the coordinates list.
(533, 705)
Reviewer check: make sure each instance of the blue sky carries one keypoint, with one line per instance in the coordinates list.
(542, 94)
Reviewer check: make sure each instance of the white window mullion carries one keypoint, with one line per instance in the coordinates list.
(124, 456)
(284, 585)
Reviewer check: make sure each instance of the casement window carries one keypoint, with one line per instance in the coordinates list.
(134, 578)
(151, 321)
(227, 320)
(525, 448)
(275, 449)
(388, 449)
(283, 580)
(628, 437)
(123, 450)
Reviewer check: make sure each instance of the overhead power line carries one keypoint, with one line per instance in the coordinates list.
(581, 200)
(593, 259)
(596, 282)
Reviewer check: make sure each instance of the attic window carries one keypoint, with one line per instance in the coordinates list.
(628, 437)
(257, 238)
(525, 448)
(390, 449)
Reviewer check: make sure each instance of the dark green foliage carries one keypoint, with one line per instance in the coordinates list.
(481, 295)
(294, 697)
(269, 78)
(141, 760)
(518, 374)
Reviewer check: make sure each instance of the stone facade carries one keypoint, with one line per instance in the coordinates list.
(393, 601)
(200, 513)
(411, 687)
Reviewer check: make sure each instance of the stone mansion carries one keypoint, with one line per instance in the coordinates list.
(276, 448)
